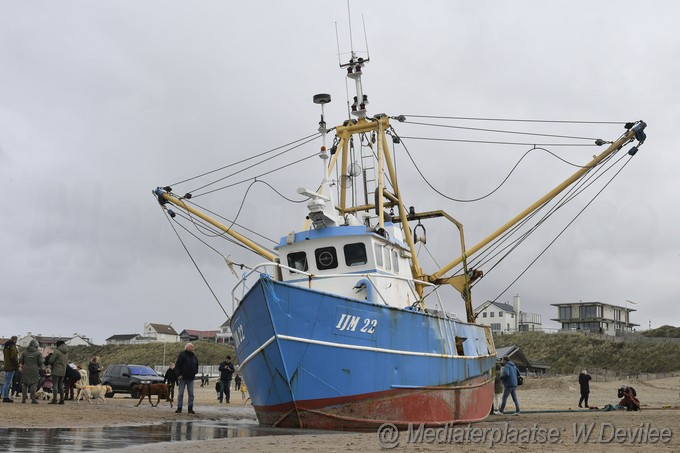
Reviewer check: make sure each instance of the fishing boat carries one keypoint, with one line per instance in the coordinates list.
(339, 327)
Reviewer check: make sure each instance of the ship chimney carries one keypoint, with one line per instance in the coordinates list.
(516, 307)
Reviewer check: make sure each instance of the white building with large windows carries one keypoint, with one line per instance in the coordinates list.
(596, 317)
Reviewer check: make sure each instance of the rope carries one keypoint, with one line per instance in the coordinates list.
(316, 134)
(195, 264)
(565, 228)
(468, 118)
(500, 131)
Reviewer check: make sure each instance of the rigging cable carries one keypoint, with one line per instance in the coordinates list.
(423, 246)
(258, 176)
(212, 232)
(564, 229)
(514, 120)
(200, 225)
(470, 200)
(483, 258)
(494, 142)
(500, 131)
(568, 196)
(571, 194)
(196, 265)
(575, 191)
(316, 134)
(238, 225)
(245, 195)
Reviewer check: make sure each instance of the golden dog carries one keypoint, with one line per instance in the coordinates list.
(160, 390)
(90, 392)
(40, 394)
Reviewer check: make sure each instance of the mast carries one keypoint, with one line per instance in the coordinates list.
(378, 124)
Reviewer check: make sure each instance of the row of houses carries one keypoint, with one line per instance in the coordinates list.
(152, 332)
(51, 341)
(594, 317)
(166, 333)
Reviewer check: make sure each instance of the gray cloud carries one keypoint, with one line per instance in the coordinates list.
(101, 102)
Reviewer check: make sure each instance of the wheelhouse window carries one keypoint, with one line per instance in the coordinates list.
(326, 258)
(355, 254)
(298, 260)
(387, 259)
(378, 255)
(395, 261)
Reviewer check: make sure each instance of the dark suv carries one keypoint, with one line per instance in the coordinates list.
(122, 378)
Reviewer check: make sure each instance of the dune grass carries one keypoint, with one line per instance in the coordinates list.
(566, 352)
(150, 354)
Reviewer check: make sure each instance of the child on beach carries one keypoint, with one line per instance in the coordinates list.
(244, 390)
(46, 384)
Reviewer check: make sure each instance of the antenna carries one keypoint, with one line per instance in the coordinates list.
(337, 42)
(368, 55)
(349, 17)
(354, 69)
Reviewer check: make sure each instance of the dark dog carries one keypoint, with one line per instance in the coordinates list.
(160, 390)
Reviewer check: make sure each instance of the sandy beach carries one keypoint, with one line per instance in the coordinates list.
(549, 421)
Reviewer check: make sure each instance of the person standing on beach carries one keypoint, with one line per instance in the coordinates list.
(70, 380)
(584, 383)
(187, 369)
(497, 389)
(32, 362)
(11, 366)
(16, 383)
(93, 370)
(226, 372)
(59, 362)
(170, 378)
(509, 378)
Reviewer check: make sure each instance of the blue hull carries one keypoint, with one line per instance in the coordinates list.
(313, 359)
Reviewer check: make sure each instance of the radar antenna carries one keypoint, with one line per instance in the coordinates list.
(354, 68)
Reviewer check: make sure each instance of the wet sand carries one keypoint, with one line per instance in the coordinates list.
(550, 417)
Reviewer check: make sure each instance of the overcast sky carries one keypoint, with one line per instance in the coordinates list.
(100, 102)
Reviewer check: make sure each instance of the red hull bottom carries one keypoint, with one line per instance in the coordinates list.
(431, 406)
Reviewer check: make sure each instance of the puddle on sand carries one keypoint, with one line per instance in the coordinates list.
(110, 437)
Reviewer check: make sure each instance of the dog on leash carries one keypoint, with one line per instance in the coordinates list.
(90, 392)
(160, 390)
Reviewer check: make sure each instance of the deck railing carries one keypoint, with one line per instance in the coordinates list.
(242, 287)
